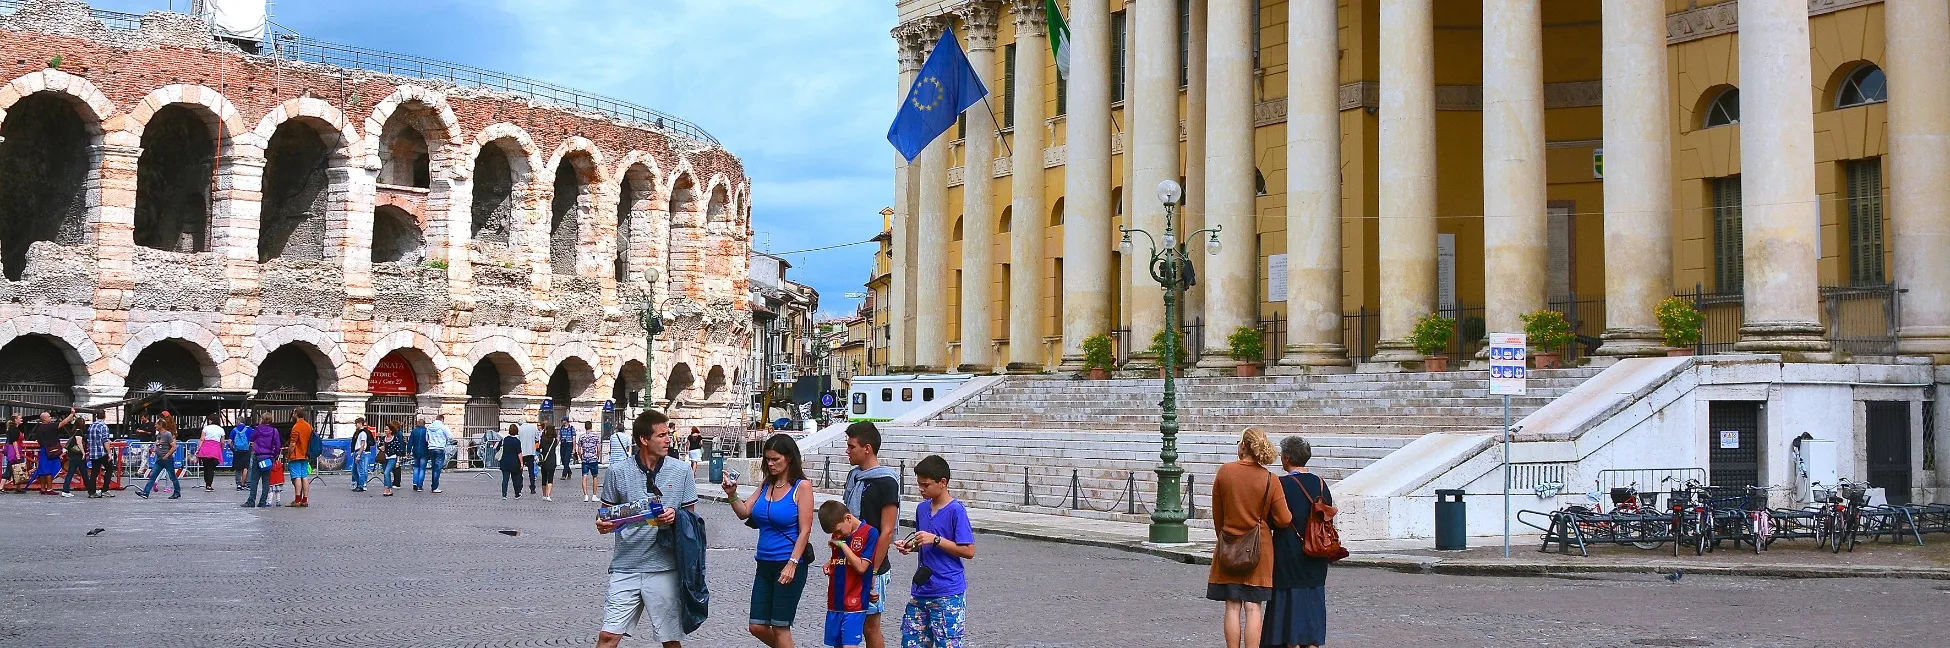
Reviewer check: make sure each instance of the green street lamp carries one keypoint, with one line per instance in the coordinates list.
(1167, 268)
(652, 319)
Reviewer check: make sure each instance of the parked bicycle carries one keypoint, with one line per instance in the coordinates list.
(1841, 520)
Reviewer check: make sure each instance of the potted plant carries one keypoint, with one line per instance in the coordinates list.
(1158, 339)
(1097, 356)
(1680, 322)
(1547, 332)
(1431, 337)
(1247, 347)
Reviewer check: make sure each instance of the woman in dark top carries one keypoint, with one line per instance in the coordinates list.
(1297, 615)
(510, 461)
(547, 452)
(393, 449)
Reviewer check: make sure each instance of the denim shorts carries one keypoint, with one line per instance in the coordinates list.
(774, 604)
(589, 468)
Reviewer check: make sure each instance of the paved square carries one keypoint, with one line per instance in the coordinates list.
(431, 570)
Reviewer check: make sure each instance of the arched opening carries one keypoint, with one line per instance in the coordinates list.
(1863, 85)
(713, 380)
(683, 202)
(395, 384)
(404, 160)
(630, 197)
(295, 190)
(396, 236)
(36, 369)
(44, 156)
(1056, 213)
(565, 212)
(173, 179)
(715, 211)
(1003, 224)
(494, 191)
(169, 365)
(569, 383)
(290, 373)
(496, 375)
(1723, 109)
(680, 380)
(626, 393)
(956, 235)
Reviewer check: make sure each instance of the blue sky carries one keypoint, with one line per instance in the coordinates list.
(802, 90)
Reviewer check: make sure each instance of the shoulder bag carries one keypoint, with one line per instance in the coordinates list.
(1320, 539)
(1238, 555)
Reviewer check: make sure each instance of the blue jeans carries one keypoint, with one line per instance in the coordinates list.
(389, 476)
(361, 469)
(164, 465)
(260, 484)
(533, 473)
(436, 463)
(419, 470)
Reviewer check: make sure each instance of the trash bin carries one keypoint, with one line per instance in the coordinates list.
(717, 466)
(1451, 520)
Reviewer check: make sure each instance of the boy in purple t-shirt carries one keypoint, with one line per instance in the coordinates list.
(934, 615)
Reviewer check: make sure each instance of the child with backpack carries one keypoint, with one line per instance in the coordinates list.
(277, 481)
(944, 538)
(850, 589)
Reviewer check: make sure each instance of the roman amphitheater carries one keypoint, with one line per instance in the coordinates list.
(373, 232)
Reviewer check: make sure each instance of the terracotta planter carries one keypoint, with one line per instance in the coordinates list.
(1544, 360)
(1435, 363)
(1680, 352)
(1246, 370)
(1099, 373)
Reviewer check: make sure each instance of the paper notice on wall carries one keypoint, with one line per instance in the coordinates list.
(1276, 277)
(1729, 439)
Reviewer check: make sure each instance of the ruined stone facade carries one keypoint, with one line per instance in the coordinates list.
(162, 192)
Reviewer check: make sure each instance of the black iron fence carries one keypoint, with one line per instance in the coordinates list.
(1361, 330)
(1861, 320)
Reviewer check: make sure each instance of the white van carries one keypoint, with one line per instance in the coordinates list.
(885, 398)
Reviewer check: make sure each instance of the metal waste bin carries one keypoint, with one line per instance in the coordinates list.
(1451, 520)
(717, 465)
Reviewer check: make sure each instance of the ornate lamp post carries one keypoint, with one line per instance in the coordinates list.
(653, 325)
(1167, 266)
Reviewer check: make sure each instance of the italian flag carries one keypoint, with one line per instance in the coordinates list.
(1059, 39)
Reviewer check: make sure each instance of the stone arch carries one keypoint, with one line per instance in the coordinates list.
(637, 239)
(324, 371)
(70, 335)
(429, 365)
(718, 206)
(679, 379)
(423, 110)
(54, 126)
(173, 182)
(309, 151)
(503, 160)
(579, 178)
(330, 357)
(714, 380)
(42, 369)
(582, 350)
(571, 382)
(396, 236)
(198, 341)
(629, 377)
(682, 195)
(502, 344)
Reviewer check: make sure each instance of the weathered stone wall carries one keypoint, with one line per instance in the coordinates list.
(286, 252)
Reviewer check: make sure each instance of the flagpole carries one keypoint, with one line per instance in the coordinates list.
(997, 120)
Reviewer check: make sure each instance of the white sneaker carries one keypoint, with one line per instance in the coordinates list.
(67, 494)
(546, 498)
(436, 490)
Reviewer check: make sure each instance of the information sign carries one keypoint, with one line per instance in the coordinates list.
(1508, 356)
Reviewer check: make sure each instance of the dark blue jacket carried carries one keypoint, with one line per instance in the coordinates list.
(688, 542)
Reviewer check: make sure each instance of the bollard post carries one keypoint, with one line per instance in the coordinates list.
(1130, 493)
(1076, 492)
(903, 478)
(1191, 502)
(826, 474)
(1026, 501)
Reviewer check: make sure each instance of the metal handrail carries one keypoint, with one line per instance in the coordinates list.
(290, 46)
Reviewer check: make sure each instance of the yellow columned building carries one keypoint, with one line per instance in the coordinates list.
(1370, 162)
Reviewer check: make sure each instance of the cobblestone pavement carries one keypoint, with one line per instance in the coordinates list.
(431, 570)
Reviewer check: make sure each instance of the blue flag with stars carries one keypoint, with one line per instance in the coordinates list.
(946, 85)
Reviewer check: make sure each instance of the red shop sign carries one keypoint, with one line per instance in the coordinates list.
(393, 377)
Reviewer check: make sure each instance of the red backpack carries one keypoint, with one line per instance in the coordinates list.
(1319, 539)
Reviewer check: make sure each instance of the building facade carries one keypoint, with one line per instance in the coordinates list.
(176, 214)
(1369, 162)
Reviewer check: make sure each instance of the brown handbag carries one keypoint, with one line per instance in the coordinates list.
(1319, 539)
(1238, 555)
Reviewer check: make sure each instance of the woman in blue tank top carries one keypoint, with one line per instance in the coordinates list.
(783, 514)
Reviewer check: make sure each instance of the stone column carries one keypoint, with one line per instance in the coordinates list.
(1407, 174)
(1638, 176)
(1231, 278)
(1919, 160)
(1153, 110)
(1313, 180)
(978, 200)
(931, 238)
(1515, 253)
(901, 291)
(1191, 217)
(1777, 171)
(1029, 217)
(1086, 207)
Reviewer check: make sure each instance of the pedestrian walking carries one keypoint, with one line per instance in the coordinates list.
(418, 442)
(647, 582)
(394, 447)
(850, 585)
(530, 434)
(546, 456)
(937, 610)
(510, 461)
(567, 434)
(696, 445)
(362, 449)
(873, 494)
(589, 452)
(783, 512)
(299, 456)
(240, 449)
(438, 436)
(10, 453)
(100, 465)
(53, 455)
(209, 451)
(76, 456)
(265, 444)
(1247, 505)
(1297, 614)
(164, 451)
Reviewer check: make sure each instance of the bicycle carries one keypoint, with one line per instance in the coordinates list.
(1759, 519)
(1841, 520)
(1692, 520)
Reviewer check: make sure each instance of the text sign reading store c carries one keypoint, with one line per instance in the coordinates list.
(393, 377)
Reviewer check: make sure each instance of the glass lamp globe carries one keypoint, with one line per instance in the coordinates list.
(1169, 192)
(1212, 245)
(1124, 246)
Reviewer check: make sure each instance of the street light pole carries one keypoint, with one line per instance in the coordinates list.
(1167, 268)
(653, 325)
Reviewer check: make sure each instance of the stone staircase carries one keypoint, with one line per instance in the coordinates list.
(1083, 448)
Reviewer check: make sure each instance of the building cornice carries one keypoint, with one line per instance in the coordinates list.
(1724, 18)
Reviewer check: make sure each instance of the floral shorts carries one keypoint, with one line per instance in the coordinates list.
(933, 622)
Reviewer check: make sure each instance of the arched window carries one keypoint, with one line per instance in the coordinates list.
(44, 160)
(1002, 224)
(396, 236)
(1056, 214)
(295, 191)
(1865, 85)
(1723, 110)
(957, 235)
(565, 209)
(494, 188)
(172, 185)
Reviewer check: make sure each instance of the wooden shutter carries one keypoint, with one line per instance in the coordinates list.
(1727, 237)
(1865, 222)
(1009, 86)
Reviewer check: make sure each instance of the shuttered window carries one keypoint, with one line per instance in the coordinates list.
(1727, 247)
(1117, 27)
(1184, 42)
(1865, 222)
(1009, 85)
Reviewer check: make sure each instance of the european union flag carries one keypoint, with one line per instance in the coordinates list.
(946, 85)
